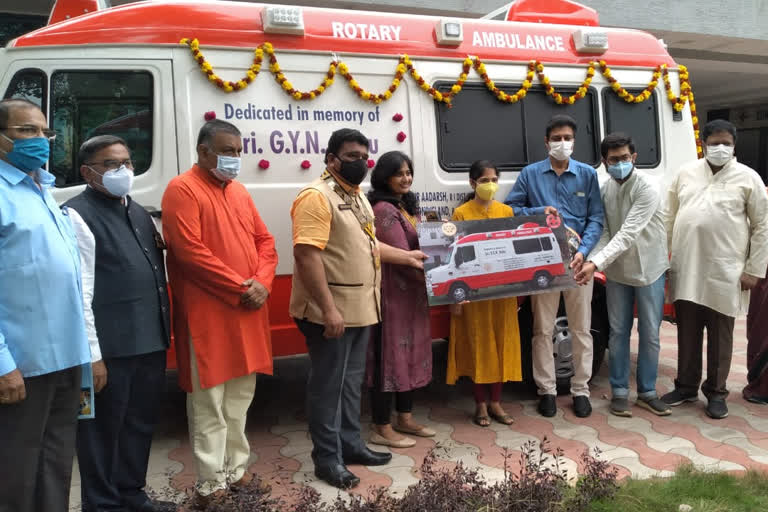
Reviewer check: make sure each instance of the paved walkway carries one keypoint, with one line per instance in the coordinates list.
(641, 446)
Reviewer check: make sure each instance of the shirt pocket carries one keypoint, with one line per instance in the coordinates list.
(728, 198)
(577, 204)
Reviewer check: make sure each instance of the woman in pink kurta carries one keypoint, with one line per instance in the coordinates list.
(400, 350)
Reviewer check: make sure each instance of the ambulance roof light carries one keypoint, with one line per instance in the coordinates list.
(560, 12)
(283, 20)
(590, 40)
(449, 32)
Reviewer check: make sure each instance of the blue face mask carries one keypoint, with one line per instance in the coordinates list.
(227, 167)
(620, 170)
(28, 154)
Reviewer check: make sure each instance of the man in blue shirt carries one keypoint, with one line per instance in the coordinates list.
(42, 329)
(572, 188)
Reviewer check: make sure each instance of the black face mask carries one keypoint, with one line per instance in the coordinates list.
(353, 172)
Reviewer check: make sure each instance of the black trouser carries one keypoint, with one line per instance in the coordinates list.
(381, 401)
(333, 391)
(113, 448)
(692, 318)
(38, 444)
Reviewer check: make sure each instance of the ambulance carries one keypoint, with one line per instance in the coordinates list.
(445, 91)
(483, 260)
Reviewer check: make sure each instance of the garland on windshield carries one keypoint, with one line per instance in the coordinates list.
(405, 66)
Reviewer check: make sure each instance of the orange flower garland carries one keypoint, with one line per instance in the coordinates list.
(405, 65)
(559, 99)
(622, 92)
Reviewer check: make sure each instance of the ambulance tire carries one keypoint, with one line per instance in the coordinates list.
(459, 292)
(542, 278)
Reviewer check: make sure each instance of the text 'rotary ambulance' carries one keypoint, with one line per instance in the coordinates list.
(445, 91)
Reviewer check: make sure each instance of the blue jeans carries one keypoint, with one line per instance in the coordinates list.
(650, 309)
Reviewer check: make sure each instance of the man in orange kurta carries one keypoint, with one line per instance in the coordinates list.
(221, 264)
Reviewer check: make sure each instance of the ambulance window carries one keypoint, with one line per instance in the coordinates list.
(546, 243)
(539, 108)
(89, 103)
(640, 121)
(527, 246)
(465, 254)
(479, 127)
(28, 84)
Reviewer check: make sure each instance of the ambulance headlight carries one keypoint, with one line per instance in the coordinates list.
(449, 32)
(283, 20)
(590, 40)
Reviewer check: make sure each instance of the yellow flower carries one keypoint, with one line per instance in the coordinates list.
(615, 86)
(343, 68)
(242, 84)
(275, 68)
(184, 40)
(415, 75)
(250, 74)
(259, 53)
(365, 95)
(228, 87)
(502, 96)
(683, 69)
(467, 61)
(690, 96)
(694, 119)
(679, 107)
(438, 96)
(268, 47)
(558, 99)
(401, 69)
(456, 89)
(696, 133)
(491, 85)
(521, 94)
(297, 95)
(571, 100)
(195, 44)
(353, 83)
(206, 66)
(516, 97)
(527, 84)
(607, 73)
(540, 68)
(320, 89)
(481, 69)
(671, 96)
(327, 82)
(312, 95)
(545, 81)
(425, 86)
(212, 77)
(287, 85)
(387, 94)
(396, 82)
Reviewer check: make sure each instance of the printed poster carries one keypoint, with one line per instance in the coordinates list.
(494, 258)
(87, 405)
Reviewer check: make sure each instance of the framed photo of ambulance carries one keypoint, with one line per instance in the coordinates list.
(494, 258)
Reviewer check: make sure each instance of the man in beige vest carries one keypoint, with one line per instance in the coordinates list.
(336, 299)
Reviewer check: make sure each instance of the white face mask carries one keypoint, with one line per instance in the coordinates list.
(118, 182)
(719, 155)
(227, 167)
(561, 150)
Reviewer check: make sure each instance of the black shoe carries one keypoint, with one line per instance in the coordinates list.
(548, 406)
(337, 475)
(367, 457)
(677, 397)
(155, 506)
(581, 406)
(716, 409)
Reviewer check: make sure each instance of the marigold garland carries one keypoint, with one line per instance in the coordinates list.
(405, 65)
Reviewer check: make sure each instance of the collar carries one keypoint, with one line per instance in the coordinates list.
(92, 193)
(14, 175)
(208, 177)
(349, 189)
(547, 167)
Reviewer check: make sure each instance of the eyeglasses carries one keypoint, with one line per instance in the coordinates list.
(28, 130)
(616, 159)
(113, 164)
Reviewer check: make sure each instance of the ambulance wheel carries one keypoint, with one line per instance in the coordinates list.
(542, 279)
(459, 292)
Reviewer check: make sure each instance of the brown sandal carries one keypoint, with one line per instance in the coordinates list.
(482, 421)
(505, 419)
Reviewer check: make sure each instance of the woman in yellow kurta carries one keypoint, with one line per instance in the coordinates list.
(485, 339)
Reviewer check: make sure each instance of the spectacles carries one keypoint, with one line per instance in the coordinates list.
(28, 130)
(616, 159)
(113, 164)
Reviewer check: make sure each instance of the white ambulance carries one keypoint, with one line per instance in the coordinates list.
(483, 260)
(445, 91)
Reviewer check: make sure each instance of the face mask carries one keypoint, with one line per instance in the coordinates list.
(353, 172)
(28, 154)
(620, 170)
(719, 155)
(118, 182)
(227, 167)
(486, 191)
(561, 150)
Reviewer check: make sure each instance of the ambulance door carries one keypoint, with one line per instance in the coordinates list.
(83, 98)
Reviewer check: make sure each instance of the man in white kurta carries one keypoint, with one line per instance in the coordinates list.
(717, 225)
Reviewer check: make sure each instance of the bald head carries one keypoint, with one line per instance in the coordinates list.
(10, 106)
